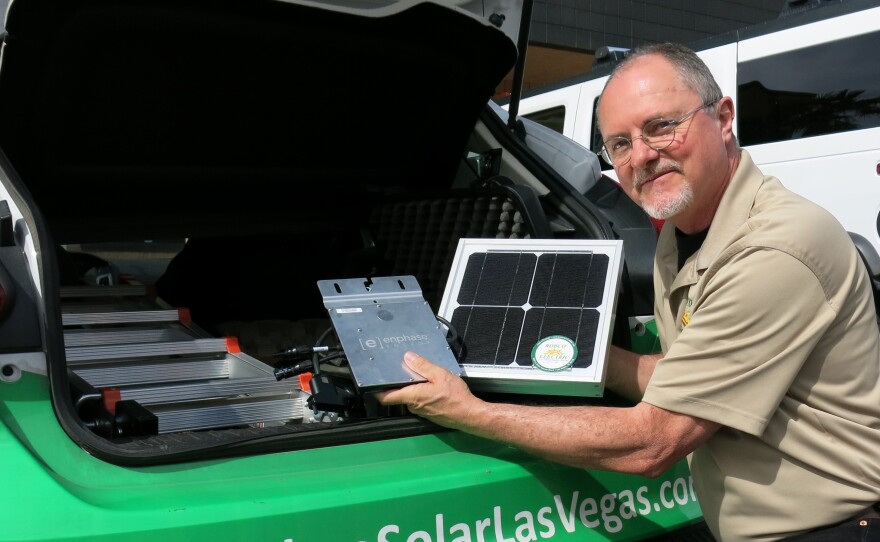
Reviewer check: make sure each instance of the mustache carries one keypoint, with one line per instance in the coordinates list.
(640, 177)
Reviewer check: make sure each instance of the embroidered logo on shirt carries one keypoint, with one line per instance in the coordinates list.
(686, 317)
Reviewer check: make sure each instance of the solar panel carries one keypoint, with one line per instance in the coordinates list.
(533, 315)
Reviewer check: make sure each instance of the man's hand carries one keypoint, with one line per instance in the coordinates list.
(444, 399)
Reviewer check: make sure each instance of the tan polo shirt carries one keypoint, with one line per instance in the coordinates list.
(781, 347)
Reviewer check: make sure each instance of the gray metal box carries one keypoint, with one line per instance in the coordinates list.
(377, 321)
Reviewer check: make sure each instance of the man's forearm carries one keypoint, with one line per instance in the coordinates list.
(641, 440)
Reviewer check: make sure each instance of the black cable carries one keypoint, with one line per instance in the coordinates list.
(450, 329)
(314, 364)
(320, 342)
(293, 370)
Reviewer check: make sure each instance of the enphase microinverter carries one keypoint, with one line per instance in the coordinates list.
(534, 316)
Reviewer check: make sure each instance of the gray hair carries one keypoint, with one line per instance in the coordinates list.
(690, 68)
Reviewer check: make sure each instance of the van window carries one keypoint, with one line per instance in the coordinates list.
(823, 89)
(553, 118)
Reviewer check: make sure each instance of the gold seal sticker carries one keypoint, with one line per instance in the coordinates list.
(554, 353)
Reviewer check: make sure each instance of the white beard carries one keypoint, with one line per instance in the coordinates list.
(668, 206)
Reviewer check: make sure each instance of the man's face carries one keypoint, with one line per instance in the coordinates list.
(677, 181)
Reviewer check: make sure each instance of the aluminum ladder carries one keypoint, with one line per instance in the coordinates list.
(128, 345)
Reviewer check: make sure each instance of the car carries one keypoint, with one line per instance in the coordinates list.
(194, 193)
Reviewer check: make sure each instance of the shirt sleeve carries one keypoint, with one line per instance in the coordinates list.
(751, 328)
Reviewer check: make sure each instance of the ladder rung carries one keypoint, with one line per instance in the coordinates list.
(138, 374)
(118, 290)
(215, 389)
(86, 337)
(226, 415)
(119, 317)
(79, 354)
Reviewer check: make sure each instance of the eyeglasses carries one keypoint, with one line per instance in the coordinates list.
(657, 134)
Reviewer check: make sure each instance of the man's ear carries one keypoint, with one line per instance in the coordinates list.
(726, 114)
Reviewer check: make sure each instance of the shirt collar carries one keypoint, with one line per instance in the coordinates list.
(733, 209)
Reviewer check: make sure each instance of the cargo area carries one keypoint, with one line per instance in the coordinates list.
(165, 339)
(186, 194)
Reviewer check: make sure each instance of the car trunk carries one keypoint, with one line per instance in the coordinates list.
(261, 137)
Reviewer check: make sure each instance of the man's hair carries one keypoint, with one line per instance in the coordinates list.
(690, 68)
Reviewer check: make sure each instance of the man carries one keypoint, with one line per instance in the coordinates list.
(769, 379)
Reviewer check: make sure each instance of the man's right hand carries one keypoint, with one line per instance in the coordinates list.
(444, 398)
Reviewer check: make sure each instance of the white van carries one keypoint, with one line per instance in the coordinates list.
(807, 93)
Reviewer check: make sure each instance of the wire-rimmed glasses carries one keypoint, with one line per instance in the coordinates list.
(657, 134)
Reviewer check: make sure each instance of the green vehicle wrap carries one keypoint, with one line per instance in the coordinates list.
(446, 487)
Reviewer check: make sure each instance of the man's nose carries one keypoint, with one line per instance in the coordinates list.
(641, 152)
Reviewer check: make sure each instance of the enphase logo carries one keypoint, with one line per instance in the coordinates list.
(393, 341)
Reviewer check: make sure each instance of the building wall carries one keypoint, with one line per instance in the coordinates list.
(590, 24)
(564, 34)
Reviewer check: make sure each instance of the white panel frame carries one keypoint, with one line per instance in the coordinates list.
(584, 382)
